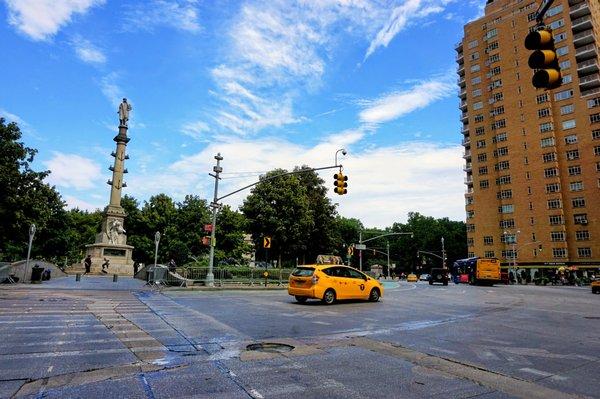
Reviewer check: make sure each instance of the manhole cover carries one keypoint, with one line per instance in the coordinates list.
(270, 347)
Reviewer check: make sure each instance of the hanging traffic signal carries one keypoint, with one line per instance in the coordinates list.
(543, 59)
(340, 183)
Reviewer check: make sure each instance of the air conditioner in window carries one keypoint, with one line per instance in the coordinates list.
(583, 221)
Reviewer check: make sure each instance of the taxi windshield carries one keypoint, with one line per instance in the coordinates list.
(303, 272)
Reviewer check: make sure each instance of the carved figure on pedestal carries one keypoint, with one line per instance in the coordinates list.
(114, 228)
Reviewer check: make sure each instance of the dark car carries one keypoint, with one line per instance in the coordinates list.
(439, 276)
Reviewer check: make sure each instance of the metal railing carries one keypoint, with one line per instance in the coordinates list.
(224, 276)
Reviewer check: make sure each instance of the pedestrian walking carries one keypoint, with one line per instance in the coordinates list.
(136, 266)
(88, 264)
(105, 266)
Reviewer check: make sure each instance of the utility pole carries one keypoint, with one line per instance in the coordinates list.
(443, 254)
(156, 242)
(360, 250)
(210, 277)
(32, 229)
(388, 258)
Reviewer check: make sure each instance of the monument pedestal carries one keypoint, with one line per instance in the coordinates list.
(118, 255)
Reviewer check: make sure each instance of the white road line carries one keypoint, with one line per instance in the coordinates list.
(536, 372)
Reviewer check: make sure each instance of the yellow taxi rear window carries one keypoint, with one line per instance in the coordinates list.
(303, 272)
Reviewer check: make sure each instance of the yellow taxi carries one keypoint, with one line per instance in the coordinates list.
(596, 286)
(332, 282)
(412, 278)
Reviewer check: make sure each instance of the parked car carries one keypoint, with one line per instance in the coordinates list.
(412, 278)
(596, 286)
(424, 277)
(330, 283)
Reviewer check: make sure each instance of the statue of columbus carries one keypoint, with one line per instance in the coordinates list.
(124, 109)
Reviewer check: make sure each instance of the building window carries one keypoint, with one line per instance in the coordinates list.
(541, 98)
(561, 36)
(550, 172)
(484, 183)
(570, 124)
(544, 112)
(491, 46)
(497, 111)
(488, 240)
(582, 235)
(553, 11)
(578, 202)
(594, 102)
(503, 180)
(559, 252)
(483, 170)
(476, 80)
(476, 92)
(597, 150)
(473, 44)
(482, 157)
(552, 188)
(469, 200)
(508, 254)
(489, 254)
(470, 214)
(547, 142)
(596, 134)
(546, 127)
(562, 51)
(557, 236)
(557, 24)
(574, 170)
(506, 208)
(507, 224)
(571, 139)
(584, 252)
(502, 165)
(499, 138)
(580, 218)
(496, 97)
(597, 166)
(480, 143)
(499, 124)
(500, 152)
(474, 56)
(556, 220)
(567, 79)
(565, 64)
(554, 203)
(479, 130)
(572, 155)
(494, 71)
(470, 228)
(549, 157)
(478, 118)
(491, 34)
(563, 95)
(576, 186)
(504, 194)
(567, 109)
(493, 58)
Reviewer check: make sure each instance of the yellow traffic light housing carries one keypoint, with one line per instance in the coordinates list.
(340, 183)
(543, 59)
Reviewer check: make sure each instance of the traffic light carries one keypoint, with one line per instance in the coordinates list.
(543, 59)
(340, 183)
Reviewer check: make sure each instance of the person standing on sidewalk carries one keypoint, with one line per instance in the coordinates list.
(88, 264)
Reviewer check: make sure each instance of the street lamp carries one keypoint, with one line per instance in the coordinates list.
(513, 242)
(156, 241)
(343, 151)
(443, 254)
(32, 229)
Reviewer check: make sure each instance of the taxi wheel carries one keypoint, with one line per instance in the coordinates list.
(374, 295)
(329, 297)
(301, 299)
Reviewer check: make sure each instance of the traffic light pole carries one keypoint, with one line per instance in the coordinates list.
(361, 242)
(541, 11)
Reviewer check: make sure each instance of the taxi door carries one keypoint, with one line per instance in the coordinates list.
(359, 284)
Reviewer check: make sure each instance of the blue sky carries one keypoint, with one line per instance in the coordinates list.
(265, 83)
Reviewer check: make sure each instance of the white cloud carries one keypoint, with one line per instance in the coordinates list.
(42, 19)
(403, 15)
(87, 52)
(10, 117)
(195, 129)
(176, 14)
(385, 183)
(111, 90)
(73, 171)
(74, 202)
(394, 105)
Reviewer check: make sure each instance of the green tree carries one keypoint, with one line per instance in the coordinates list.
(26, 199)
(279, 207)
(231, 229)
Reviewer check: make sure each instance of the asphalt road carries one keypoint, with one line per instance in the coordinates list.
(122, 340)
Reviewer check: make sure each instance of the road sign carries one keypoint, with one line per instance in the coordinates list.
(267, 242)
(360, 246)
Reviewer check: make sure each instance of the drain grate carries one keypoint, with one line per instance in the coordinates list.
(270, 347)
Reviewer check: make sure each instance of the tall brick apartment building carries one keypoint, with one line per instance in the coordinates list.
(532, 156)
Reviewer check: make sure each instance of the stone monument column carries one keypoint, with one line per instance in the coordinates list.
(111, 242)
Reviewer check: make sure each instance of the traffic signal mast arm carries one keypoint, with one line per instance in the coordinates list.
(429, 253)
(296, 172)
(541, 11)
